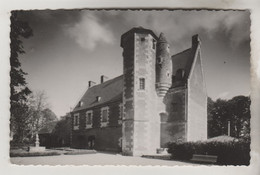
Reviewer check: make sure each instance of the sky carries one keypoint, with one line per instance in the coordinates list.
(70, 47)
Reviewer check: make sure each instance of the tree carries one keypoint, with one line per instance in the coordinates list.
(235, 110)
(63, 130)
(41, 115)
(18, 86)
(240, 116)
(219, 117)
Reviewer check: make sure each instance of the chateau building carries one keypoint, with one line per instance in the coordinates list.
(159, 98)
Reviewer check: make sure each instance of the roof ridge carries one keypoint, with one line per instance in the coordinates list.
(107, 81)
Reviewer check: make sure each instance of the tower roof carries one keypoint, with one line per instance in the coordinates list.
(162, 38)
(140, 30)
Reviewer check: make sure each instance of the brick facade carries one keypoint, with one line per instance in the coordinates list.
(105, 138)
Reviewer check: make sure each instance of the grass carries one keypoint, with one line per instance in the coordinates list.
(53, 152)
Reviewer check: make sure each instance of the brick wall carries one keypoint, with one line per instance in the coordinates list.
(106, 138)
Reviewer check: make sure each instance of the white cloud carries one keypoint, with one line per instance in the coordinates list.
(177, 24)
(89, 32)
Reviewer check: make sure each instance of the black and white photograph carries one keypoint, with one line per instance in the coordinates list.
(135, 87)
(130, 89)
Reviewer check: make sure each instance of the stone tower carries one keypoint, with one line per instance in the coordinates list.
(163, 66)
(141, 124)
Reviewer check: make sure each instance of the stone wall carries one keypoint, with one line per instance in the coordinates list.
(140, 129)
(146, 126)
(128, 97)
(197, 103)
(173, 123)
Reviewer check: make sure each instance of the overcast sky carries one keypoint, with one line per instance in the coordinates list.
(69, 48)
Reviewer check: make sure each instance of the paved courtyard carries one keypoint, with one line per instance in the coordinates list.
(93, 159)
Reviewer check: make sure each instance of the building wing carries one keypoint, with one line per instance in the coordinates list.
(109, 91)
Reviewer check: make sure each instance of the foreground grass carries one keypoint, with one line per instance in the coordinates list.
(52, 152)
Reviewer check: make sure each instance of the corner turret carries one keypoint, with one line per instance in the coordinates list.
(163, 66)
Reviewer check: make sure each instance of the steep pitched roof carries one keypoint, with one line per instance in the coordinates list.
(109, 91)
(183, 61)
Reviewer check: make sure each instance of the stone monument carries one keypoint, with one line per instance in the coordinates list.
(37, 147)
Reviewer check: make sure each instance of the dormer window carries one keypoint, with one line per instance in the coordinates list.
(98, 98)
(80, 103)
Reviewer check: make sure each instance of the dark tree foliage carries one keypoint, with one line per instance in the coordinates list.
(236, 111)
(63, 131)
(18, 86)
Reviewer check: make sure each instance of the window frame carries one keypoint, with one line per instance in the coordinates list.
(89, 125)
(142, 83)
(121, 113)
(76, 121)
(154, 44)
(104, 123)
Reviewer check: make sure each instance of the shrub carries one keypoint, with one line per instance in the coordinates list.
(229, 153)
(33, 154)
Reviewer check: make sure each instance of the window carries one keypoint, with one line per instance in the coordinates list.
(76, 121)
(120, 113)
(141, 83)
(98, 98)
(154, 44)
(104, 116)
(89, 119)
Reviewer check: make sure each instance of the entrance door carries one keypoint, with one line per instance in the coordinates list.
(91, 142)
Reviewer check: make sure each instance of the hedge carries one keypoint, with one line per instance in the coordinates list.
(34, 154)
(229, 153)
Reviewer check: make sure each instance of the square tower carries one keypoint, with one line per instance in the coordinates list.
(141, 124)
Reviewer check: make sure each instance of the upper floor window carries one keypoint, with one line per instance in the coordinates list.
(141, 83)
(154, 44)
(104, 116)
(76, 121)
(89, 119)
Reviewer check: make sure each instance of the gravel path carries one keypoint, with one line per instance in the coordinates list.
(92, 159)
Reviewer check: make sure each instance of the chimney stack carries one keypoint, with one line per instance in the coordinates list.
(195, 40)
(103, 78)
(91, 83)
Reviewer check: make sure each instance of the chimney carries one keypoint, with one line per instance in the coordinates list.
(91, 83)
(103, 78)
(195, 40)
